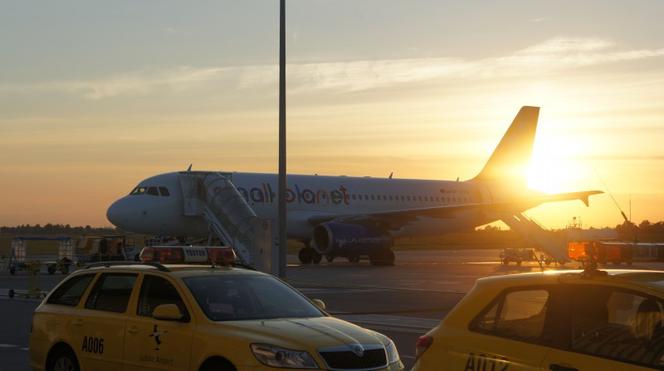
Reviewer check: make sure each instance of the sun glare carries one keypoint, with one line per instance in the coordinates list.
(551, 170)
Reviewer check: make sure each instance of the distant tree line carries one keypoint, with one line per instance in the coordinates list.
(644, 232)
(56, 229)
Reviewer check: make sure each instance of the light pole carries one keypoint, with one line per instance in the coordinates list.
(282, 215)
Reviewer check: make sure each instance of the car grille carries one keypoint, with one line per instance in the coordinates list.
(344, 359)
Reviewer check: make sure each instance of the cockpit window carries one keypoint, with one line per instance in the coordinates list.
(153, 191)
(164, 191)
(138, 191)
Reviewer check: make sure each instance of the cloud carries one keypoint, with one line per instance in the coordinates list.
(550, 56)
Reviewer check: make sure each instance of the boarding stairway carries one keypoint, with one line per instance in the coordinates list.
(541, 238)
(214, 197)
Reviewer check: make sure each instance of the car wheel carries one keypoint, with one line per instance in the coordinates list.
(62, 360)
(217, 364)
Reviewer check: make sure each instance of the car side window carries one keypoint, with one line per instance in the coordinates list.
(617, 324)
(71, 291)
(518, 314)
(156, 291)
(111, 292)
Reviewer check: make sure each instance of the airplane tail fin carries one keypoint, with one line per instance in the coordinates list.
(511, 157)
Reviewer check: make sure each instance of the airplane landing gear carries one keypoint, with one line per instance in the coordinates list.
(382, 257)
(354, 259)
(307, 255)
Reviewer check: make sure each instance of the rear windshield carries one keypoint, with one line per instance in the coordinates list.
(231, 297)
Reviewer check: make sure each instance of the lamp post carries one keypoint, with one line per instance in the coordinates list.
(282, 214)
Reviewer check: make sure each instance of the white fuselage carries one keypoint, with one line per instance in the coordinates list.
(308, 196)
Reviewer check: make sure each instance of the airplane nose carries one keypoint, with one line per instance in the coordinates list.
(116, 213)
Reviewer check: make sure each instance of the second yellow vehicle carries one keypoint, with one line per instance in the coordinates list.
(149, 316)
(555, 320)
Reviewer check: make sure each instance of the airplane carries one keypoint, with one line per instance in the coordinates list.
(353, 217)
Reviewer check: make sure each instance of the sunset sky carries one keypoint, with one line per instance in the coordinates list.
(95, 96)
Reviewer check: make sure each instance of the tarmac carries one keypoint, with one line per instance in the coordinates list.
(403, 301)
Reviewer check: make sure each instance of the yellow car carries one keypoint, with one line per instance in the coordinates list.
(556, 320)
(149, 316)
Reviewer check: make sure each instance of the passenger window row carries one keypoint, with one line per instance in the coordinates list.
(409, 198)
(150, 190)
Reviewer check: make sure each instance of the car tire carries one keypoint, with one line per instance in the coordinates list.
(62, 359)
(217, 364)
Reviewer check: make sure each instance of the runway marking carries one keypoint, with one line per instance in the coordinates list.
(301, 286)
(12, 346)
(349, 290)
(415, 325)
(7, 298)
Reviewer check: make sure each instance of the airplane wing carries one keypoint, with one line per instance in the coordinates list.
(395, 219)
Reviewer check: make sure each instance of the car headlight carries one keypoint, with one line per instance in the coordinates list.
(274, 356)
(392, 352)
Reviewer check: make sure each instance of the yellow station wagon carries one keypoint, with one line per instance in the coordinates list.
(149, 316)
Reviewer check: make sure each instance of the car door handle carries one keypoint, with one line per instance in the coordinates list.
(556, 367)
(77, 322)
(133, 330)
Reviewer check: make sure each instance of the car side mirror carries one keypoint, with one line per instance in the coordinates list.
(167, 312)
(319, 303)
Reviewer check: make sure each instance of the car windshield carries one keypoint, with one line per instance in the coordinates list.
(233, 297)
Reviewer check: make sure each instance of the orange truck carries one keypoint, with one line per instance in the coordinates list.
(602, 251)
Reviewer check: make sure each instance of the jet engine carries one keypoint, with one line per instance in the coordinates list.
(351, 240)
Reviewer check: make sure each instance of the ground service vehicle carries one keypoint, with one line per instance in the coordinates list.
(149, 316)
(517, 256)
(554, 320)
